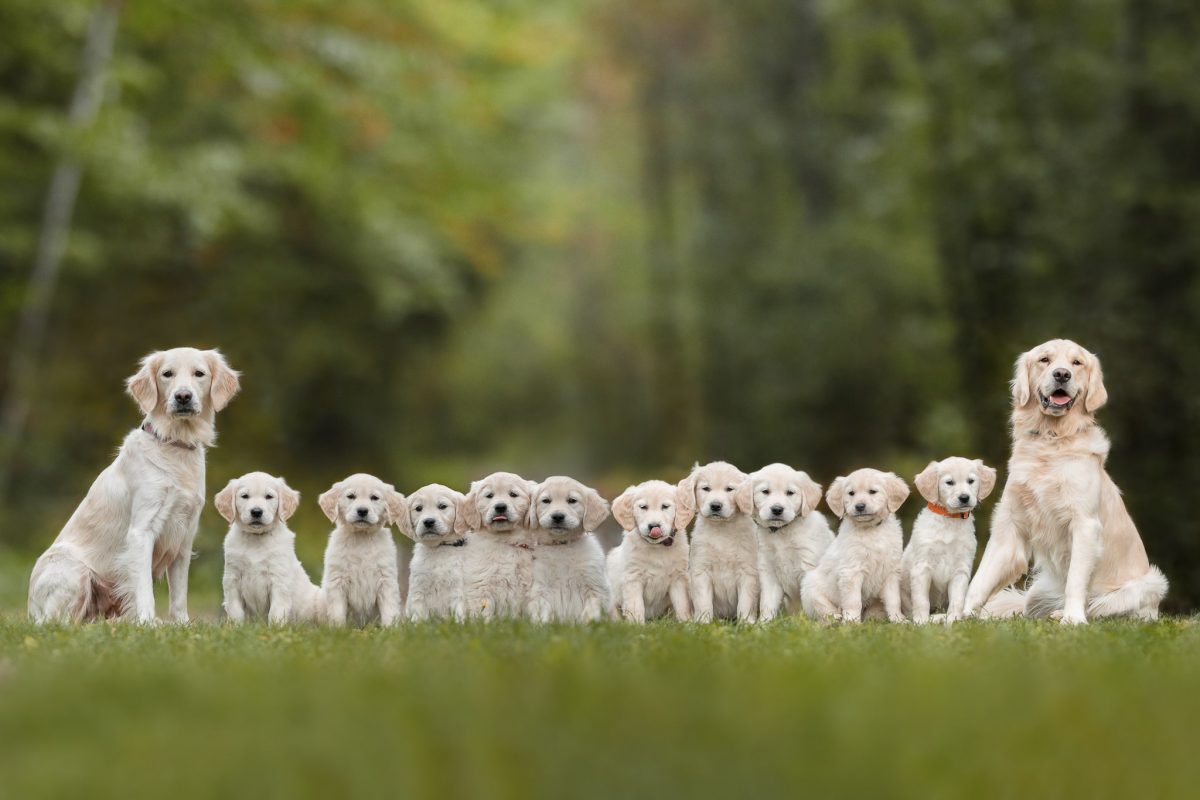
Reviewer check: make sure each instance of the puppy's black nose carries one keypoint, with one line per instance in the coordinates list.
(361, 511)
(777, 510)
(429, 522)
(964, 498)
(501, 507)
(714, 506)
(860, 507)
(256, 513)
(1062, 375)
(558, 516)
(183, 397)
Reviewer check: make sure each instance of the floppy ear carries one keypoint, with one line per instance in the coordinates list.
(404, 521)
(1022, 379)
(223, 501)
(394, 502)
(531, 514)
(926, 482)
(987, 478)
(685, 503)
(329, 501)
(466, 516)
(834, 496)
(143, 384)
(743, 496)
(810, 494)
(897, 491)
(289, 500)
(595, 510)
(1097, 395)
(622, 509)
(224, 383)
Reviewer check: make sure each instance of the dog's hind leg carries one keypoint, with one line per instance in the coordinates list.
(1139, 598)
(60, 589)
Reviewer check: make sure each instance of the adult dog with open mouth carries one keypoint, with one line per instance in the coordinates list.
(569, 583)
(361, 584)
(862, 566)
(1060, 509)
(498, 567)
(723, 563)
(792, 534)
(936, 566)
(648, 571)
(263, 578)
(139, 519)
(435, 574)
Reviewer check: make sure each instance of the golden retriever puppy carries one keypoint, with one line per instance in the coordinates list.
(138, 520)
(648, 571)
(435, 574)
(792, 534)
(569, 583)
(1059, 507)
(723, 562)
(498, 564)
(862, 566)
(263, 578)
(936, 566)
(361, 584)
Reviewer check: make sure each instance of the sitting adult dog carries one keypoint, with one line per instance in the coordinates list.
(139, 519)
(569, 583)
(263, 579)
(1060, 509)
(792, 534)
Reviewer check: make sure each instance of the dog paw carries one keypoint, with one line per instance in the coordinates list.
(951, 619)
(1071, 618)
(898, 618)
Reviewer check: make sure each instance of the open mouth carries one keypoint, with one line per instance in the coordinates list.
(1059, 400)
(499, 518)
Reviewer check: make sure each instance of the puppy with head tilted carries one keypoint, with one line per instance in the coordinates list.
(361, 583)
(1060, 509)
(862, 566)
(569, 583)
(936, 566)
(648, 571)
(723, 562)
(792, 534)
(498, 564)
(435, 574)
(140, 516)
(263, 578)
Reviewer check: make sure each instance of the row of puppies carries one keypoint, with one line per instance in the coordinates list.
(512, 547)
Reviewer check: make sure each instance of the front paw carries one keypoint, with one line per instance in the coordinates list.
(898, 618)
(765, 618)
(849, 619)
(920, 619)
(1070, 617)
(951, 618)
(703, 617)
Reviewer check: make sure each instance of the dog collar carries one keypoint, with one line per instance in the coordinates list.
(148, 428)
(522, 545)
(556, 542)
(942, 511)
(456, 543)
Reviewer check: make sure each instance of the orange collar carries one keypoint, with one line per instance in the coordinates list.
(941, 511)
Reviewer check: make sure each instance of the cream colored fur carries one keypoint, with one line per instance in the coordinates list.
(648, 570)
(723, 561)
(498, 567)
(435, 574)
(569, 583)
(361, 584)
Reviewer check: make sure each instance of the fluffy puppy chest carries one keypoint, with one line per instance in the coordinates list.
(730, 546)
(942, 545)
(873, 551)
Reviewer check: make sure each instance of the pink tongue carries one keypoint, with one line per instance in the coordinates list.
(656, 531)
(1060, 399)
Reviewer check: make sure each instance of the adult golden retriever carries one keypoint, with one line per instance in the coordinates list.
(1060, 508)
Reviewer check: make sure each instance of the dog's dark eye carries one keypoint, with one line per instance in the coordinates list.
(704, 488)
(270, 497)
(872, 491)
(169, 374)
(766, 491)
(666, 506)
(851, 493)
(572, 500)
(512, 493)
(729, 488)
(374, 497)
(1044, 359)
(351, 496)
(970, 480)
(643, 506)
(199, 373)
(1077, 363)
(489, 496)
(949, 481)
(791, 492)
(245, 495)
(441, 507)
(546, 500)
(418, 508)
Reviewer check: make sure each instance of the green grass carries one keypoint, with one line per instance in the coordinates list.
(517, 711)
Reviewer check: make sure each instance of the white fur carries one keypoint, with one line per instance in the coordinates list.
(723, 561)
(498, 564)
(361, 582)
(649, 578)
(435, 581)
(140, 516)
(792, 534)
(263, 578)
(569, 583)
(862, 566)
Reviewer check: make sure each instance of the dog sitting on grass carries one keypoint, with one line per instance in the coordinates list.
(435, 575)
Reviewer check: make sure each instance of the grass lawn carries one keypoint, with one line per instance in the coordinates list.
(513, 710)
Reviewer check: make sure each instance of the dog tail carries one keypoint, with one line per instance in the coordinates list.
(1139, 597)
(1006, 603)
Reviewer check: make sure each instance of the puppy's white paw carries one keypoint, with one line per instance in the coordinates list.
(1071, 618)
(951, 619)
(898, 618)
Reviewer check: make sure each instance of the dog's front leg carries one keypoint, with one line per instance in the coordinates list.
(177, 584)
(280, 612)
(680, 601)
(772, 596)
(747, 597)
(702, 596)
(235, 610)
(335, 606)
(850, 592)
(957, 597)
(1004, 559)
(633, 605)
(1085, 552)
(891, 598)
(388, 599)
(919, 590)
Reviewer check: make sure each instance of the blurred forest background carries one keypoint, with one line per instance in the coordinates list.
(605, 238)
